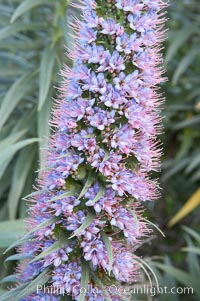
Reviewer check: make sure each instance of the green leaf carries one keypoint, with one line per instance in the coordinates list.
(180, 37)
(190, 205)
(146, 273)
(7, 154)
(2, 291)
(88, 183)
(21, 170)
(88, 220)
(135, 220)
(184, 64)
(17, 91)
(5, 9)
(155, 226)
(84, 280)
(11, 294)
(23, 205)
(61, 196)
(8, 58)
(10, 231)
(195, 176)
(62, 242)
(143, 263)
(108, 245)
(32, 287)
(18, 27)
(26, 121)
(176, 167)
(46, 223)
(187, 123)
(46, 73)
(43, 129)
(34, 193)
(192, 233)
(17, 257)
(27, 5)
(18, 242)
(101, 285)
(166, 280)
(195, 161)
(181, 276)
(186, 144)
(195, 250)
(192, 259)
(12, 138)
(99, 194)
(10, 278)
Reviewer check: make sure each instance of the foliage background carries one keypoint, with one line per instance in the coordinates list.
(32, 38)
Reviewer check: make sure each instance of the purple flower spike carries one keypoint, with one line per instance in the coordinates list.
(85, 218)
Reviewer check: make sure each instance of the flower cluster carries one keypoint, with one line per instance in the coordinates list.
(85, 217)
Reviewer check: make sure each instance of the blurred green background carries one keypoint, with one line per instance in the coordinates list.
(32, 38)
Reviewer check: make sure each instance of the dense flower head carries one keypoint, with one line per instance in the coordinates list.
(85, 216)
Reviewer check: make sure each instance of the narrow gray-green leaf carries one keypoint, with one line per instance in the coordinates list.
(18, 27)
(187, 123)
(46, 223)
(88, 183)
(192, 259)
(18, 242)
(167, 280)
(10, 278)
(19, 177)
(99, 194)
(101, 285)
(177, 167)
(12, 138)
(195, 161)
(26, 121)
(195, 250)
(88, 220)
(181, 276)
(144, 263)
(180, 38)
(193, 233)
(10, 232)
(17, 257)
(108, 245)
(184, 64)
(43, 129)
(2, 291)
(195, 176)
(32, 287)
(155, 226)
(15, 59)
(34, 193)
(17, 91)
(62, 242)
(61, 196)
(11, 294)
(135, 220)
(84, 280)
(7, 154)
(146, 273)
(27, 5)
(46, 72)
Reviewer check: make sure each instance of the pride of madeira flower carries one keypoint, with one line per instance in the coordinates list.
(85, 219)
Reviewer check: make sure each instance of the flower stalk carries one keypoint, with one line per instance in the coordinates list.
(85, 217)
